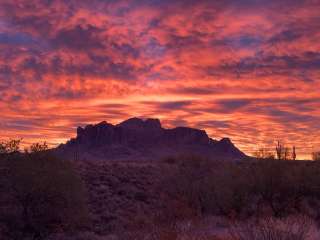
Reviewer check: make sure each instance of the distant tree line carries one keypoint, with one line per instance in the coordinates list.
(13, 146)
(282, 152)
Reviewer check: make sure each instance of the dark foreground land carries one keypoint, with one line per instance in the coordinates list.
(176, 198)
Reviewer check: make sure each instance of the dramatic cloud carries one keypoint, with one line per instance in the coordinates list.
(249, 69)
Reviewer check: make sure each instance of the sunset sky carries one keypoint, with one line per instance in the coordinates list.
(244, 69)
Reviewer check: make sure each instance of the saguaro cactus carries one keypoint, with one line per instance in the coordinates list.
(294, 155)
(279, 150)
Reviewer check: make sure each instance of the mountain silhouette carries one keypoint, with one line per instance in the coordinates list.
(136, 139)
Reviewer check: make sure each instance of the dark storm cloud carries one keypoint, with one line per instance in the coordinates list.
(78, 38)
(288, 117)
(288, 35)
(167, 106)
(240, 42)
(198, 90)
(16, 39)
(214, 124)
(233, 104)
(174, 105)
(269, 64)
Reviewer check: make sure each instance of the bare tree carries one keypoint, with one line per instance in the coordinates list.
(38, 147)
(264, 153)
(10, 146)
(316, 156)
(284, 153)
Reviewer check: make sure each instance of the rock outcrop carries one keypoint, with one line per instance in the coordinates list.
(145, 139)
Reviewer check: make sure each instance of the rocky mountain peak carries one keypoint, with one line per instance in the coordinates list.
(138, 124)
(153, 123)
(136, 138)
(226, 141)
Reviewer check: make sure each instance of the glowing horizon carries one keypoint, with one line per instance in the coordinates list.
(248, 70)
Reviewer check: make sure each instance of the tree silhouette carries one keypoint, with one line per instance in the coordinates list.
(316, 156)
(41, 195)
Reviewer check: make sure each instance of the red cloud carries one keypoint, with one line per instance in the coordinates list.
(243, 69)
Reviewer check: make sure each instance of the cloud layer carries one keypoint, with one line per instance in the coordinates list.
(246, 69)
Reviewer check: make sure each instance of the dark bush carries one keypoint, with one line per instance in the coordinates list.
(275, 187)
(40, 195)
(209, 187)
(271, 228)
(282, 185)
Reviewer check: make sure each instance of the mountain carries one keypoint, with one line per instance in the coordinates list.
(136, 139)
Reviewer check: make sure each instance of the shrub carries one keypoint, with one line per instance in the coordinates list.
(277, 186)
(43, 195)
(316, 156)
(263, 153)
(285, 187)
(184, 184)
(79, 236)
(229, 190)
(269, 186)
(209, 187)
(38, 147)
(293, 228)
(11, 146)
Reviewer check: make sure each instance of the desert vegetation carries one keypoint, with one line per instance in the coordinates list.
(245, 189)
(270, 228)
(40, 194)
(315, 156)
(267, 198)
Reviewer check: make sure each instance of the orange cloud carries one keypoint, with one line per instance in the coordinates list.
(248, 69)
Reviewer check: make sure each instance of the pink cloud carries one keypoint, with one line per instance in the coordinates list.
(248, 70)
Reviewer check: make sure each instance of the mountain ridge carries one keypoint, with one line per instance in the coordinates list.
(136, 139)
